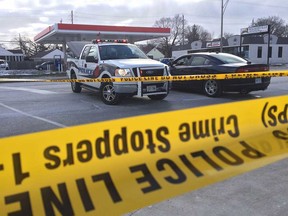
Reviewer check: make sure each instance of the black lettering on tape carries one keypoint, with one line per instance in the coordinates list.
(18, 173)
(103, 146)
(110, 186)
(69, 159)
(275, 115)
(219, 152)
(166, 147)
(87, 153)
(180, 176)
(48, 154)
(209, 127)
(25, 204)
(147, 177)
(151, 145)
(190, 166)
(235, 128)
(137, 141)
(50, 199)
(251, 152)
(281, 134)
(120, 142)
(84, 194)
(207, 159)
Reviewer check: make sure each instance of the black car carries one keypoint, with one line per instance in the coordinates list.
(217, 63)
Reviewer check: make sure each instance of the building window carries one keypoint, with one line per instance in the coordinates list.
(270, 52)
(259, 52)
(280, 52)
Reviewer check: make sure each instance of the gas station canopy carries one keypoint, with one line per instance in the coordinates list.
(60, 33)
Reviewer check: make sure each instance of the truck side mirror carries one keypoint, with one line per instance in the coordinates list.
(91, 59)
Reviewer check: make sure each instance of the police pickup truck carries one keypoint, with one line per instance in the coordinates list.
(113, 59)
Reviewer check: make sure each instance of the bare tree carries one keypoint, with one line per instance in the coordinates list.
(176, 32)
(196, 32)
(228, 35)
(29, 47)
(192, 33)
(277, 25)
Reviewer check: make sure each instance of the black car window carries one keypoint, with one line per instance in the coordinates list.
(183, 61)
(198, 60)
(208, 62)
(227, 59)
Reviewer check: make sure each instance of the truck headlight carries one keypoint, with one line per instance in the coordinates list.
(123, 72)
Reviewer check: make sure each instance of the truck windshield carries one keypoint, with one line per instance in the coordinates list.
(120, 51)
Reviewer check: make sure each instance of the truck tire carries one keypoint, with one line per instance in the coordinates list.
(75, 86)
(157, 97)
(108, 94)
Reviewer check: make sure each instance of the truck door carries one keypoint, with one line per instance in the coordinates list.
(91, 62)
(82, 73)
(86, 68)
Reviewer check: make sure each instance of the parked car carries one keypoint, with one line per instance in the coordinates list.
(217, 63)
(4, 65)
(45, 65)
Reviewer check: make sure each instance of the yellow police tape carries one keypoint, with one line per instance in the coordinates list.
(162, 78)
(114, 167)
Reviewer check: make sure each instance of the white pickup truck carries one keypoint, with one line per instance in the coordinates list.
(117, 58)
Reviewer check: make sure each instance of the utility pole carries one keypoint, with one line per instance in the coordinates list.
(223, 8)
(72, 17)
(183, 34)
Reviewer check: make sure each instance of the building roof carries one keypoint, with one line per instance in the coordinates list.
(181, 47)
(62, 33)
(253, 40)
(18, 51)
(48, 54)
(282, 40)
(4, 52)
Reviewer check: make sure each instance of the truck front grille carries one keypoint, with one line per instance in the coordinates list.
(145, 72)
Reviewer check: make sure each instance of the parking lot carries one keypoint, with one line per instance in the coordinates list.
(33, 107)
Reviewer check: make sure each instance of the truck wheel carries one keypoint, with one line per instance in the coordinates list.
(108, 94)
(75, 86)
(212, 88)
(157, 97)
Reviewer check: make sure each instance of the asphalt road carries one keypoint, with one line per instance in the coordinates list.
(32, 107)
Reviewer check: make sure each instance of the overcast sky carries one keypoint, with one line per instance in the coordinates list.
(29, 17)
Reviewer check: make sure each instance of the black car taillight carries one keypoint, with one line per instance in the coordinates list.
(252, 69)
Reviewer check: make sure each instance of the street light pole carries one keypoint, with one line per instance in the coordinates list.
(221, 37)
(223, 8)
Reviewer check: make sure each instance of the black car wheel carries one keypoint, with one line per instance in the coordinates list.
(108, 94)
(212, 88)
(75, 86)
(157, 97)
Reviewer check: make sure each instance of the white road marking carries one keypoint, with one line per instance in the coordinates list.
(32, 116)
(38, 91)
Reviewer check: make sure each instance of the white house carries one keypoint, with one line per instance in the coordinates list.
(155, 54)
(48, 55)
(11, 55)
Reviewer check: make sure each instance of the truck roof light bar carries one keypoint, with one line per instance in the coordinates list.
(109, 41)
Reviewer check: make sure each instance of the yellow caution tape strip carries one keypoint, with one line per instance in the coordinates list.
(162, 78)
(115, 167)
